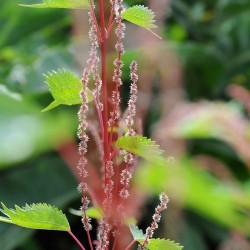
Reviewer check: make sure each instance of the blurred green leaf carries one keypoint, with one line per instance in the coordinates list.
(92, 212)
(137, 233)
(30, 77)
(176, 33)
(191, 237)
(208, 120)
(66, 4)
(229, 9)
(25, 132)
(198, 191)
(5, 91)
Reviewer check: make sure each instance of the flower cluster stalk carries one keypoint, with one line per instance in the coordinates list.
(116, 166)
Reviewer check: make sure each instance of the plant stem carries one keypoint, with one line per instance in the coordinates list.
(103, 45)
(113, 153)
(76, 240)
(110, 26)
(90, 241)
(95, 21)
(100, 118)
(111, 14)
(130, 245)
(114, 244)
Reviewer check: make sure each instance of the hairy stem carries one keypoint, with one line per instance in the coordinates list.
(103, 46)
(94, 18)
(90, 241)
(115, 108)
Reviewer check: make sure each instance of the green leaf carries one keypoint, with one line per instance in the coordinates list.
(52, 105)
(30, 143)
(162, 244)
(137, 233)
(64, 4)
(141, 16)
(36, 216)
(141, 146)
(92, 212)
(4, 219)
(59, 190)
(65, 87)
(154, 244)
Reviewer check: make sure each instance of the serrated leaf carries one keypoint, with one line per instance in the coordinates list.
(36, 216)
(137, 233)
(4, 219)
(92, 212)
(141, 16)
(162, 244)
(141, 146)
(65, 87)
(64, 4)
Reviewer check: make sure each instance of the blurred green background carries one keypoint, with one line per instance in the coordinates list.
(202, 65)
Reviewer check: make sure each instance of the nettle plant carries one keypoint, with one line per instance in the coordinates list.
(118, 146)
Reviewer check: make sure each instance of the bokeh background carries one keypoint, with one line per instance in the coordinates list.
(193, 100)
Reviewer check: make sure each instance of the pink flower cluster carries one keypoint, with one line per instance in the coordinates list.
(126, 174)
(92, 67)
(132, 101)
(156, 218)
(119, 31)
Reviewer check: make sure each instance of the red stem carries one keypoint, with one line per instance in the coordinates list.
(114, 244)
(103, 46)
(76, 240)
(113, 153)
(115, 108)
(116, 185)
(90, 241)
(111, 16)
(110, 26)
(144, 242)
(130, 245)
(95, 21)
(99, 117)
